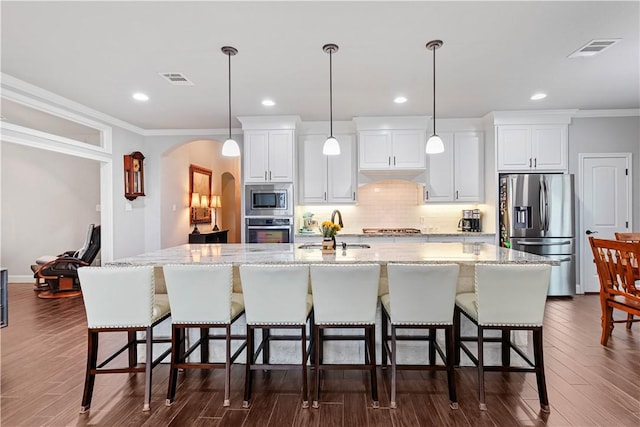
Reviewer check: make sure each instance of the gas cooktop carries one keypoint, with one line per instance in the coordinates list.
(390, 231)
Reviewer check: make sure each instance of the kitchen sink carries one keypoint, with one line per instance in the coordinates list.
(344, 245)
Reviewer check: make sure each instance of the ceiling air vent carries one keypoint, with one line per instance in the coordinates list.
(594, 47)
(177, 79)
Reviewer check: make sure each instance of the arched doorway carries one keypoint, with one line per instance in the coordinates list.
(229, 217)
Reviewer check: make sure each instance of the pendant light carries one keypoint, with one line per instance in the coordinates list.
(230, 147)
(434, 143)
(331, 146)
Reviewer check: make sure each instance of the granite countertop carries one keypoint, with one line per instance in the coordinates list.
(242, 253)
(436, 234)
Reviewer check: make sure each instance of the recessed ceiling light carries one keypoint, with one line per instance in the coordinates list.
(538, 96)
(400, 100)
(268, 103)
(139, 96)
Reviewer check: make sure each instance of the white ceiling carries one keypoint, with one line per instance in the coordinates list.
(495, 56)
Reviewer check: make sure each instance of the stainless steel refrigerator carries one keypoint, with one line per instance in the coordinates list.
(537, 216)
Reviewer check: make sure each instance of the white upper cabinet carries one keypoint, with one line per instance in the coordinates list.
(533, 147)
(392, 149)
(268, 156)
(327, 179)
(456, 175)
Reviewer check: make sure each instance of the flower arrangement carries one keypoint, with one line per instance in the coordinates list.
(329, 229)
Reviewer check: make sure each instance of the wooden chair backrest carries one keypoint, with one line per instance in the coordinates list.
(628, 237)
(615, 266)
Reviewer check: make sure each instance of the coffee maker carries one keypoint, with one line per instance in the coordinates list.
(470, 220)
(476, 225)
(465, 223)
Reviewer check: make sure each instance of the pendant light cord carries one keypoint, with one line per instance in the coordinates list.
(229, 55)
(330, 94)
(434, 90)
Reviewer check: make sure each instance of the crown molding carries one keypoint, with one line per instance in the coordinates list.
(16, 84)
(191, 132)
(629, 112)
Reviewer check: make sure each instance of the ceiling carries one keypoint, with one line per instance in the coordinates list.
(495, 56)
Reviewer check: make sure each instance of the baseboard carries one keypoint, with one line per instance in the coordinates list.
(21, 278)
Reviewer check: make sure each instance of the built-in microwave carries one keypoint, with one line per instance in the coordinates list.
(268, 200)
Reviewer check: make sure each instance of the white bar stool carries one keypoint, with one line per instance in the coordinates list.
(201, 296)
(121, 299)
(276, 297)
(421, 296)
(506, 298)
(345, 296)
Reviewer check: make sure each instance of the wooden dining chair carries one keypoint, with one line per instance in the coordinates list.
(631, 237)
(615, 262)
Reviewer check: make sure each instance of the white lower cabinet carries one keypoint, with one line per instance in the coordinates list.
(327, 179)
(456, 175)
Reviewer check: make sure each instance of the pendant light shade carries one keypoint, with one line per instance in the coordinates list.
(331, 146)
(434, 143)
(230, 147)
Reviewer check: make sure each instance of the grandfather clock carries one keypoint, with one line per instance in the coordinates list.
(133, 175)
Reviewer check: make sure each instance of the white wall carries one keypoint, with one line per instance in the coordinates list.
(607, 135)
(48, 201)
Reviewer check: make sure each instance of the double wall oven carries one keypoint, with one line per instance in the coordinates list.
(269, 213)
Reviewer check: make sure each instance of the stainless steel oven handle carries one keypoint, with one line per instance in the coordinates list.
(269, 227)
(523, 243)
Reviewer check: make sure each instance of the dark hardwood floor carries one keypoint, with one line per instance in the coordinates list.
(44, 354)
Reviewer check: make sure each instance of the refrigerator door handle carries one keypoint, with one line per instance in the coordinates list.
(567, 259)
(541, 206)
(525, 243)
(546, 206)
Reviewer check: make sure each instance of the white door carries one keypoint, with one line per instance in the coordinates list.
(605, 208)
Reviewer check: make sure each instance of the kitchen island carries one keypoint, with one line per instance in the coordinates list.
(467, 255)
(464, 254)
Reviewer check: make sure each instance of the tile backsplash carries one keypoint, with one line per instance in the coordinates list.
(392, 204)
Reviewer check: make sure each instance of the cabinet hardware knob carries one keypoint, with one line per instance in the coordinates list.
(529, 161)
(394, 160)
(535, 162)
(269, 175)
(456, 194)
(426, 194)
(325, 195)
(265, 175)
(354, 195)
(389, 160)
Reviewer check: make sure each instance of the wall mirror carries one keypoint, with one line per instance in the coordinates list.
(200, 194)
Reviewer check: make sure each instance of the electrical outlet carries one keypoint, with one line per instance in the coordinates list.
(128, 207)
(98, 208)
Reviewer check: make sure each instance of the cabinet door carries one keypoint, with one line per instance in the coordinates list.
(256, 149)
(375, 150)
(514, 148)
(280, 156)
(468, 161)
(341, 176)
(549, 147)
(440, 172)
(313, 169)
(408, 149)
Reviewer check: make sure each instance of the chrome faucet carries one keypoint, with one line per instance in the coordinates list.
(333, 215)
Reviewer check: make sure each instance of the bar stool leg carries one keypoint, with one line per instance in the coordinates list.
(147, 369)
(385, 336)
(133, 348)
(483, 405)
(456, 336)
(451, 380)
(176, 337)
(305, 392)
(90, 377)
(371, 331)
(392, 403)
(227, 366)
(506, 347)
(204, 345)
(248, 372)
(432, 346)
(318, 341)
(539, 364)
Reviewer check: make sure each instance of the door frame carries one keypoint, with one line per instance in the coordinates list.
(586, 257)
